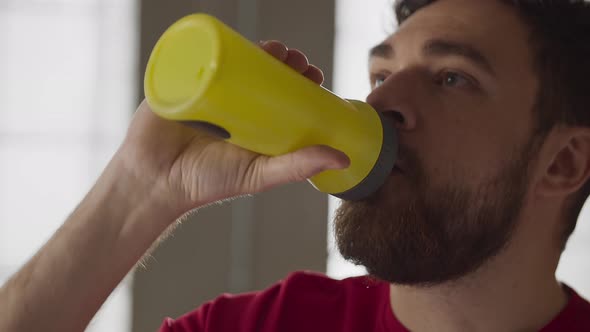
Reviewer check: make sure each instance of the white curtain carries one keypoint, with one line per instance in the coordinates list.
(67, 91)
(360, 25)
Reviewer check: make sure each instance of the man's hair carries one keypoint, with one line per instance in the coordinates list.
(560, 41)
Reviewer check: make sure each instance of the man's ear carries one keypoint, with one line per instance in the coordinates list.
(569, 166)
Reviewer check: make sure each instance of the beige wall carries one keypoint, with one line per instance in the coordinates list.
(251, 242)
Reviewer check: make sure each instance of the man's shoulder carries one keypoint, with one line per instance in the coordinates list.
(306, 290)
(320, 283)
(574, 317)
(579, 310)
(302, 300)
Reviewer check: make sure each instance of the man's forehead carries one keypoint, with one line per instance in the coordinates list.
(461, 8)
(481, 18)
(490, 26)
(455, 18)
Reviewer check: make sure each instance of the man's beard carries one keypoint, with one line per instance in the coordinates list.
(439, 233)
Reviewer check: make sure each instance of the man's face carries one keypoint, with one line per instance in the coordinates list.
(460, 74)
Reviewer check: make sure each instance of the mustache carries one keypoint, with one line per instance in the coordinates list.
(409, 162)
(412, 170)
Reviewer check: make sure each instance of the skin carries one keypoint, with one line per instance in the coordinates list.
(456, 112)
(151, 181)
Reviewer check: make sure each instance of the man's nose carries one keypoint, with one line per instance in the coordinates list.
(393, 99)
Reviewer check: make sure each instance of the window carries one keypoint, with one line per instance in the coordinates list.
(66, 95)
(361, 25)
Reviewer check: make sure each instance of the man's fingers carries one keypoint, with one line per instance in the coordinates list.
(276, 49)
(300, 165)
(297, 60)
(294, 59)
(315, 74)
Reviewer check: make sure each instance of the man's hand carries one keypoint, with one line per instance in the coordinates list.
(162, 170)
(193, 168)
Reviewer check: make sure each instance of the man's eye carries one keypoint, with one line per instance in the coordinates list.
(453, 79)
(378, 80)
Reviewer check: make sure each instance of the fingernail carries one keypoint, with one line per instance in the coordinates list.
(342, 164)
(345, 161)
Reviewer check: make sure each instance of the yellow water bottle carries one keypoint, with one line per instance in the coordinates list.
(203, 73)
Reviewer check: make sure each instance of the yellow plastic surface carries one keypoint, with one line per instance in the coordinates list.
(201, 70)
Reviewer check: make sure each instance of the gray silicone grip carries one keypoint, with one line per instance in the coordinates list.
(382, 168)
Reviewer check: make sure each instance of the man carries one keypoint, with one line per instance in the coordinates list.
(490, 101)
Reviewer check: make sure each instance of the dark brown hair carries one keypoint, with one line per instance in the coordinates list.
(560, 40)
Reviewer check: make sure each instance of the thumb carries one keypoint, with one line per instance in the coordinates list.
(301, 165)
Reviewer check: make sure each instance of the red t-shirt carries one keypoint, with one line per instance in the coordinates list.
(312, 302)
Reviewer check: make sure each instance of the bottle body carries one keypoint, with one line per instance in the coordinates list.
(201, 71)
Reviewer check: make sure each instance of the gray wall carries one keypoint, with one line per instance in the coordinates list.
(252, 242)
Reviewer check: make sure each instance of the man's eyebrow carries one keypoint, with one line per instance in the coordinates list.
(381, 51)
(440, 47)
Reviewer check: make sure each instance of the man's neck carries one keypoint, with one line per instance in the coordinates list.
(515, 291)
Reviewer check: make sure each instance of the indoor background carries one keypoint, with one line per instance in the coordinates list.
(70, 78)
